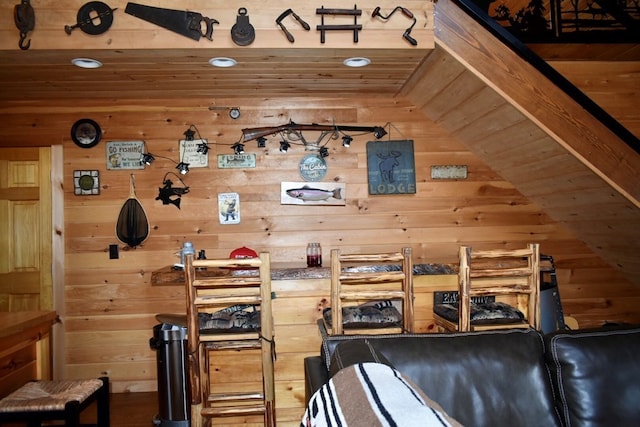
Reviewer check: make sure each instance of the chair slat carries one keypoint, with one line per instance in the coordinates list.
(502, 273)
(349, 274)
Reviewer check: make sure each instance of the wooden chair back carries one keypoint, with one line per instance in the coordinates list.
(358, 278)
(501, 273)
(240, 281)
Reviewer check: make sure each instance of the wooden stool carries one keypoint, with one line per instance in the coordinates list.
(39, 401)
(238, 284)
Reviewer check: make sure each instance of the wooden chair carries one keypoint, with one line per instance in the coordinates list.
(56, 400)
(357, 278)
(512, 276)
(241, 281)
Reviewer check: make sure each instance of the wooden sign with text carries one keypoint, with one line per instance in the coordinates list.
(391, 167)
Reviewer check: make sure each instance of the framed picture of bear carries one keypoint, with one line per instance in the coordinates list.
(229, 208)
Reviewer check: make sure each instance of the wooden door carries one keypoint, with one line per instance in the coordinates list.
(25, 227)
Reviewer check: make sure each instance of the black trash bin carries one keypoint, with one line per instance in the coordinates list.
(170, 342)
(550, 313)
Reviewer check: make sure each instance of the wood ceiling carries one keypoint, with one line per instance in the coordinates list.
(143, 60)
(504, 110)
(181, 73)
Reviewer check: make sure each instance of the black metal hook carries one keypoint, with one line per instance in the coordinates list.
(25, 19)
(23, 37)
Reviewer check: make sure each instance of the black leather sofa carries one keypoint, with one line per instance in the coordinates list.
(506, 378)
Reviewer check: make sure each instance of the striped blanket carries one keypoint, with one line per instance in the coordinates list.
(372, 395)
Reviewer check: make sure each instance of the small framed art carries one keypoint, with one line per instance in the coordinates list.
(229, 208)
(86, 183)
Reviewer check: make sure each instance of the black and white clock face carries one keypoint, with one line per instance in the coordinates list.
(86, 133)
(234, 113)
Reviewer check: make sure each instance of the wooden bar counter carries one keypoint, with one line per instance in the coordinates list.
(300, 295)
(25, 348)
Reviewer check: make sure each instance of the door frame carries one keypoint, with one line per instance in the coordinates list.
(57, 260)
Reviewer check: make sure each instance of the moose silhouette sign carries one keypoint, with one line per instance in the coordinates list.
(391, 167)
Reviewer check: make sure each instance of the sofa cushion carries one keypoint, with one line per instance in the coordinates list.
(597, 375)
(490, 379)
(485, 313)
(375, 314)
(236, 318)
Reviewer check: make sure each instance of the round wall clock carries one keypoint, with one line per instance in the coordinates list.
(234, 113)
(86, 133)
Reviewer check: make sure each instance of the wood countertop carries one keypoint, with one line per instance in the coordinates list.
(17, 322)
(170, 276)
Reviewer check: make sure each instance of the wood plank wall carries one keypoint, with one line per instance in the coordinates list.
(110, 304)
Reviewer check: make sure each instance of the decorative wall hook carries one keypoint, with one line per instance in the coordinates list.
(169, 194)
(296, 17)
(406, 12)
(93, 18)
(25, 19)
(242, 32)
(355, 27)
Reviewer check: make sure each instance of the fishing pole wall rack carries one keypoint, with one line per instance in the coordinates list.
(355, 27)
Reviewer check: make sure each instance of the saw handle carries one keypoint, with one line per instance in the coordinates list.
(196, 24)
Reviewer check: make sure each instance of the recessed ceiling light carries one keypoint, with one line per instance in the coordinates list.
(86, 63)
(357, 62)
(223, 62)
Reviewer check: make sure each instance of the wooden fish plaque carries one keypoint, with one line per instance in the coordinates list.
(309, 194)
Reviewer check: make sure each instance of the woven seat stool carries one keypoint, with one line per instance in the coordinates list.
(42, 400)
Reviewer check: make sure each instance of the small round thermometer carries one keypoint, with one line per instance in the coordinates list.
(234, 113)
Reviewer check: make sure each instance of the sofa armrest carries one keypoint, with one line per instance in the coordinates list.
(347, 353)
(315, 376)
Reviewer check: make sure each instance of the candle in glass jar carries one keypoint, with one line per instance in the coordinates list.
(314, 255)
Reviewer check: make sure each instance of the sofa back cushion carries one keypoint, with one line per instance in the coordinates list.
(353, 352)
(597, 376)
(492, 379)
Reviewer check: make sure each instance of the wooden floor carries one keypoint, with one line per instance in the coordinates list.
(129, 410)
